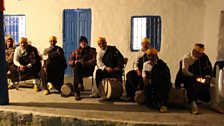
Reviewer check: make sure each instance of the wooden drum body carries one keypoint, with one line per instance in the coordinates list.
(110, 88)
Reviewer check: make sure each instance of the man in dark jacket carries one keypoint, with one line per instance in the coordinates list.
(9, 53)
(27, 63)
(157, 83)
(83, 62)
(109, 62)
(195, 73)
(52, 72)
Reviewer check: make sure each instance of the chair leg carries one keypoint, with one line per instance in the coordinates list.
(92, 84)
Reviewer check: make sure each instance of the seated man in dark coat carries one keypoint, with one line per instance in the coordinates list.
(52, 72)
(83, 62)
(157, 83)
(27, 63)
(109, 61)
(134, 77)
(195, 74)
(9, 53)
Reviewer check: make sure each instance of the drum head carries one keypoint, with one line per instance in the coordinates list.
(66, 90)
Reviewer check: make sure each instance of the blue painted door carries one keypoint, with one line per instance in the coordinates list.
(76, 23)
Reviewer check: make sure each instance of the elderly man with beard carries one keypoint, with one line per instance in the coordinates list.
(27, 63)
(134, 77)
(109, 62)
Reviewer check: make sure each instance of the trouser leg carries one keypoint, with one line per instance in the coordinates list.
(78, 73)
(43, 76)
(132, 83)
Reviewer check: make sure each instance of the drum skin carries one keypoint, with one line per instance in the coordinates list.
(66, 89)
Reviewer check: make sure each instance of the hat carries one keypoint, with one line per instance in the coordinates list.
(146, 40)
(100, 39)
(9, 37)
(52, 38)
(151, 51)
(22, 39)
(199, 47)
(83, 38)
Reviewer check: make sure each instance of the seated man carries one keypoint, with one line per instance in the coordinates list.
(52, 72)
(134, 77)
(195, 74)
(156, 79)
(83, 62)
(109, 61)
(26, 63)
(9, 53)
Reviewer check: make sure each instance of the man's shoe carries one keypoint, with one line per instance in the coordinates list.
(217, 109)
(163, 109)
(103, 99)
(36, 88)
(77, 96)
(126, 98)
(194, 109)
(50, 86)
(94, 95)
(46, 92)
(11, 86)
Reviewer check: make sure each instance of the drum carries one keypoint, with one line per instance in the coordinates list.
(66, 89)
(110, 88)
(140, 97)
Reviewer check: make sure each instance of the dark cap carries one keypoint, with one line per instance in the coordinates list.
(83, 38)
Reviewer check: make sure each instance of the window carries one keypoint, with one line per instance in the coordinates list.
(14, 25)
(145, 26)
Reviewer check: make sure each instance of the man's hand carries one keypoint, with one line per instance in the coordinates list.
(109, 69)
(22, 67)
(139, 73)
(207, 80)
(80, 61)
(116, 69)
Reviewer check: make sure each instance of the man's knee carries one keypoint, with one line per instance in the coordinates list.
(131, 74)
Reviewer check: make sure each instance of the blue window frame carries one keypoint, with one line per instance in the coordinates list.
(145, 26)
(15, 26)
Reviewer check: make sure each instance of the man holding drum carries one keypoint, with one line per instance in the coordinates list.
(195, 74)
(156, 80)
(109, 61)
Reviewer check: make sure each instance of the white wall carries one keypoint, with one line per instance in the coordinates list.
(212, 20)
(182, 23)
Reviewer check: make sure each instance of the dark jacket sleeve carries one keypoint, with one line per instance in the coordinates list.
(119, 58)
(207, 66)
(91, 61)
(57, 56)
(161, 74)
(35, 60)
